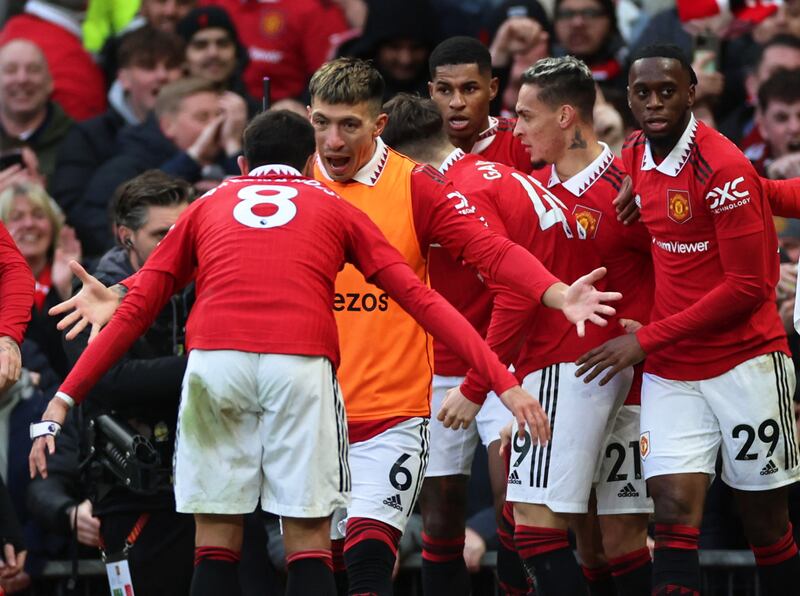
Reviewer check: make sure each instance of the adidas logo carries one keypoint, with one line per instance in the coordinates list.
(394, 502)
(770, 468)
(514, 478)
(628, 491)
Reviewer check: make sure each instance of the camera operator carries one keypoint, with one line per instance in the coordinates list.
(142, 390)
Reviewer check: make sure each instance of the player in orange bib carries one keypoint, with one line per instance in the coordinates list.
(387, 358)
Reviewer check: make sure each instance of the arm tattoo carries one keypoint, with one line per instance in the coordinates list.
(578, 142)
(119, 290)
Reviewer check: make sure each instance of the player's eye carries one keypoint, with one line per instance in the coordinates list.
(442, 90)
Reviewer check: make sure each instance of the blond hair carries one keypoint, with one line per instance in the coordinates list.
(37, 195)
(348, 81)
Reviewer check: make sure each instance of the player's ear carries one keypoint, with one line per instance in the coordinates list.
(380, 124)
(430, 88)
(494, 85)
(244, 168)
(567, 116)
(691, 97)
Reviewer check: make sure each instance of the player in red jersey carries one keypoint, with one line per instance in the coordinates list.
(386, 357)
(587, 178)
(462, 86)
(415, 127)
(16, 298)
(264, 250)
(717, 371)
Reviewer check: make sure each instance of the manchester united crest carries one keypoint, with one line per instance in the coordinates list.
(588, 219)
(644, 444)
(679, 207)
(272, 22)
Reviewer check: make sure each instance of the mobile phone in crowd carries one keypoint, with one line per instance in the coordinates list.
(707, 45)
(11, 158)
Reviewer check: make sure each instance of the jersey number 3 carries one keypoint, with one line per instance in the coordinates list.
(255, 195)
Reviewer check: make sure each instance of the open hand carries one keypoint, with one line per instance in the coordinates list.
(42, 446)
(583, 302)
(94, 304)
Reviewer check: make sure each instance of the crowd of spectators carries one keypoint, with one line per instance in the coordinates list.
(94, 93)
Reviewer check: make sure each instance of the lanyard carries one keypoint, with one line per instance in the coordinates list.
(132, 536)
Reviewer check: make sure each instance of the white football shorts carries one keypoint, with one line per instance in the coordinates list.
(747, 410)
(387, 471)
(559, 474)
(268, 426)
(619, 481)
(452, 451)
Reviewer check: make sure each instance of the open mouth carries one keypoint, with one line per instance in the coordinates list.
(337, 166)
(458, 123)
(657, 125)
(794, 146)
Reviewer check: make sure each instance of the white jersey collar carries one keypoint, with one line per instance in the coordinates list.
(486, 137)
(275, 169)
(677, 158)
(451, 159)
(583, 180)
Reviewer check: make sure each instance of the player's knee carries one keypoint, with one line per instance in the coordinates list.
(677, 502)
(443, 503)
(765, 515)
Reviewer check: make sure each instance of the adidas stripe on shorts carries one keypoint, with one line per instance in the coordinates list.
(619, 479)
(560, 473)
(387, 471)
(747, 411)
(268, 426)
(452, 451)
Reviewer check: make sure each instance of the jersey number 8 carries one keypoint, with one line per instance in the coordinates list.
(251, 197)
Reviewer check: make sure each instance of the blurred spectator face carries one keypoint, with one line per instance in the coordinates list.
(538, 127)
(164, 14)
(345, 136)
(211, 55)
(780, 126)
(402, 59)
(582, 27)
(142, 84)
(159, 220)
(785, 20)
(185, 125)
(25, 82)
(462, 93)
(774, 58)
(30, 227)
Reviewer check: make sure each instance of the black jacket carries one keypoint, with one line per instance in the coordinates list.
(138, 148)
(144, 387)
(87, 146)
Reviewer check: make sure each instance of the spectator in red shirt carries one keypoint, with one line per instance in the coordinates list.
(78, 84)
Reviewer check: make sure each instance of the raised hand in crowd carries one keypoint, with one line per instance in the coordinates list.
(68, 248)
(234, 111)
(28, 170)
(785, 167)
(517, 35)
(93, 305)
(710, 83)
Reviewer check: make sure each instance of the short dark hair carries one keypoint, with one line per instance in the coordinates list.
(153, 188)
(348, 81)
(460, 50)
(414, 122)
(278, 136)
(666, 50)
(565, 80)
(783, 85)
(146, 46)
(786, 40)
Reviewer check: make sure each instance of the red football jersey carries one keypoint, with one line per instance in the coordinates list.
(264, 251)
(286, 40)
(498, 143)
(537, 220)
(715, 255)
(624, 250)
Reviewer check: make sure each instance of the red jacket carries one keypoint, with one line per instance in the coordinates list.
(78, 84)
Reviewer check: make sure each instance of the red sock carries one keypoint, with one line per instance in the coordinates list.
(633, 572)
(363, 528)
(323, 555)
(214, 553)
(785, 548)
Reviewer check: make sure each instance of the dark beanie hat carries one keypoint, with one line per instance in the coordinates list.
(206, 17)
